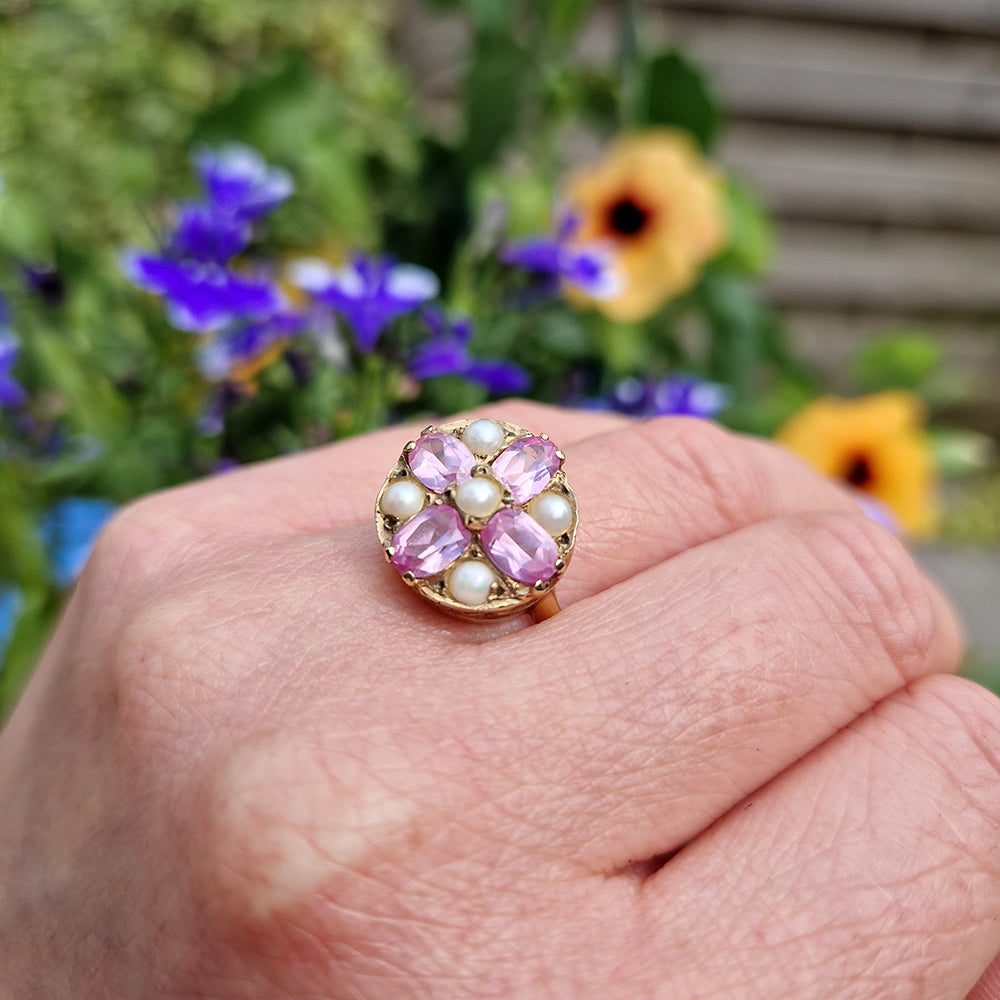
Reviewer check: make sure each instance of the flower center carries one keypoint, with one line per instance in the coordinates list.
(859, 472)
(626, 217)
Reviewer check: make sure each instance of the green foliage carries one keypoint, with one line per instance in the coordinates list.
(673, 91)
(905, 359)
(751, 241)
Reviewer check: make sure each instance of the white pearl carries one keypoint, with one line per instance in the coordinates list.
(478, 497)
(470, 581)
(553, 512)
(484, 436)
(402, 499)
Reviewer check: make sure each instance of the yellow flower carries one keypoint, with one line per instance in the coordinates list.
(876, 444)
(660, 206)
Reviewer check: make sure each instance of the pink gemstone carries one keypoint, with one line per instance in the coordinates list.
(519, 546)
(526, 466)
(430, 541)
(439, 460)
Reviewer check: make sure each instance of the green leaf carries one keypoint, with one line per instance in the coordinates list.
(36, 620)
(961, 452)
(673, 91)
(624, 347)
(565, 17)
(751, 237)
(737, 321)
(495, 87)
(903, 359)
(494, 16)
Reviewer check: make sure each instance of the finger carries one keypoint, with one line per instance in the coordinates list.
(667, 699)
(869, 869)
(329, 487)
(988, 987)
(649, 491)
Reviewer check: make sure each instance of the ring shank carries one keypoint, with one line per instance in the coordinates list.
(546, 608)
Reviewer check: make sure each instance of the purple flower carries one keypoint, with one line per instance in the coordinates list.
(45, 282)
(204, 233)
(12, 394)
(369, 293)
(686, 396)
(589, 267)
(877, 511)
(239, 181)
(676, 395)
(203, 297)
(241, 344)
(446, 353)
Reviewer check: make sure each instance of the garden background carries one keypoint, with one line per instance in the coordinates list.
(163, 317)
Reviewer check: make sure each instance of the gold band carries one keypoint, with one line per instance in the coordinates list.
(547, 607)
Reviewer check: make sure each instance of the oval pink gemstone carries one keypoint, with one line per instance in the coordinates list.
(439, 460)
(430, 541)
(526, 466)
(519, 546)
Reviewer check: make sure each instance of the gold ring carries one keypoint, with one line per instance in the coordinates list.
(478, 518)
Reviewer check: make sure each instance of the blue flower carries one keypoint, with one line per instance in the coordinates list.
(369, 293)
(446, 353)
(69, 530)
(203, 297)
(676, 395)
(240, 182)
(12, 394)
(205, 233)
(591, 268)
(11, 603)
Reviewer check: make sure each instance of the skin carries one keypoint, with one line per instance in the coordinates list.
(738, 764)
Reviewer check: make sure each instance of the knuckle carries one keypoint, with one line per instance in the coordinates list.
(879, 585)
(134, 546)
(706, 461)
(958, 722)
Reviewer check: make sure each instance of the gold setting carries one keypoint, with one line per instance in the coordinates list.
(507, 596)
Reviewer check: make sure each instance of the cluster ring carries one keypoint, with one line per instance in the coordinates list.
(479, 519)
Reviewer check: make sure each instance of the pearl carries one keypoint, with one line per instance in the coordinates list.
(484, 436)
(553, 512)
(402, 499)
(470, 581)
(478, 497)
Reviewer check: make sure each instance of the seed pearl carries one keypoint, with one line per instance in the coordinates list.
(470, 581)
(402, 499)
(553, 512)
(478, 497)
(484, 436)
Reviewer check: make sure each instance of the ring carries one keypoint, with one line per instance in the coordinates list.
(478, 518)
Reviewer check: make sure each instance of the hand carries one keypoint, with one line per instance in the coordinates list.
(252, 765)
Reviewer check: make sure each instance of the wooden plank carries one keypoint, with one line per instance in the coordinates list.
(951, 15)
(869, 176)
(910, 270)
(827, 338)
(810, 73)
(819, 73)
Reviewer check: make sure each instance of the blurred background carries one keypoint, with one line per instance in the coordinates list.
(858, 184)
(871, 130)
